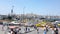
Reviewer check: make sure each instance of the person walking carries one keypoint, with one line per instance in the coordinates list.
(35, 27)
(9, 32)
(45, 32)
(53, 31)
(26, 29)
(56, 31)
(37, 31)
(47, 28)
(59, 31)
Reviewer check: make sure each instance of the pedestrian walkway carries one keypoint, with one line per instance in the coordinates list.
(41, 31)
(32, 31)
(2, 31)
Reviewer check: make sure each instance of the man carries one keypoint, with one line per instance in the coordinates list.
(56, 31)
(37, 31)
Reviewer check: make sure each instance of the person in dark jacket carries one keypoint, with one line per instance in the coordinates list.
(56, 31)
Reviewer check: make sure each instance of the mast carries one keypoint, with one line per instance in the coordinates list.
(23, 13)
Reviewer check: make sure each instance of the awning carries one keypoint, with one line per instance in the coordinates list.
(13, 26)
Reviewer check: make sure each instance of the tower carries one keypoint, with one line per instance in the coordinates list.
(12, 9)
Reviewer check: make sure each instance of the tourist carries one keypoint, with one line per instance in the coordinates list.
(12, 32)
(3, 27)
(59, 30)
(53, 31)
(56, 31)
(35, 27)
(26, 29)
(47, 28)
(9, 32)
(45, 32)
(37, 31)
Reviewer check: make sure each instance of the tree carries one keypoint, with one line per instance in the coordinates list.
(3, 18)
(10, 17)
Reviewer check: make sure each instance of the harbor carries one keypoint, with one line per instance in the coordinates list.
(29, 16)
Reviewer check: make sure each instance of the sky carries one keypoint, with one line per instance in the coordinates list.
(41, 7)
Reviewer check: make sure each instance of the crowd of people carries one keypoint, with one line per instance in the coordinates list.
(46, 30)
(18, 30)
(13, 31)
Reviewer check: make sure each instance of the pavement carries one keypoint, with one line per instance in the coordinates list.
(41, 31)
(1, 31)
(32, 31)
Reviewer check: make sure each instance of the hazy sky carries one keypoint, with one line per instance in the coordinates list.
(43, 7)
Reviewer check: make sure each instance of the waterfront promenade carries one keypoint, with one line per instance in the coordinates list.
(33, 31)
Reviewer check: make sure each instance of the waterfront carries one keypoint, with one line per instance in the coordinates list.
(32, 30)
